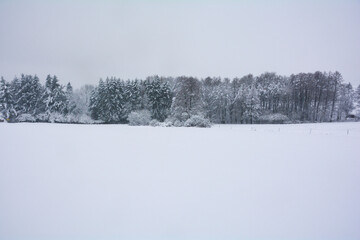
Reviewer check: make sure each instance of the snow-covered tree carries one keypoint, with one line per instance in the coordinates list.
(133, 95)
(346, 101)
(139, 118)
(6, 100)
(159, 98)
(357, 100)
(314, 97)
(28, 95)
(109, 101)
(211, 95)
(54, 97)
(70, 99)
(187, 98)
(251, 104)
(82, 100)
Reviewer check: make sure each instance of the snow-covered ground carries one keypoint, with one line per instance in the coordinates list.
(227, 182)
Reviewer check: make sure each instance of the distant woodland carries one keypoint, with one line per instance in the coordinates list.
(268, 98)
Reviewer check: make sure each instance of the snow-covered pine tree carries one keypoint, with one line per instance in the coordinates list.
(108, 101)
(55, 97)
(94, 104)
(15, 86)
(133, 95)
(29, 96)
(159, 98)
(113, 101)
(6, 101)
(70, 100)
(116, 102)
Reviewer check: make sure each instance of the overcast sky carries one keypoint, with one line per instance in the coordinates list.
(81, 41)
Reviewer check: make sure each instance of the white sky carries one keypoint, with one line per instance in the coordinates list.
(81, 41)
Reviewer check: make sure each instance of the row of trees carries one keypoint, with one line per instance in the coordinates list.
(305, 97)
(313, 97)
(25, 98)
(113, 99)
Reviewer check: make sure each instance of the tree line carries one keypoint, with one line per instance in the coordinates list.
(303, 97)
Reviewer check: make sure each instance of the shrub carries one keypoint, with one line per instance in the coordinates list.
(86, 119)
(197, 121)
(139, 118)
(25, 118)
(42, 117)
(172, 122)
(273, 118)
(155, 123)
(178, 123)
(81, 118)
(57, 118)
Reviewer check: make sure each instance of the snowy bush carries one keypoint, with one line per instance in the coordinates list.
(273, 118)
(197, 121)
(75, 118)
(168, 122)
(57, 118)
(193, 121)
(25, 118)
(42, 117)
(71, 118)
(155, 123)
(178, 123)
(86, 119)
(139, 118)
(172, 122)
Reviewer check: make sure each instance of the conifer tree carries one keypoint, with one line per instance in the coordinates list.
(55, 97)
(70, 101)
(29, 95)
(6, 101)
(159, 98)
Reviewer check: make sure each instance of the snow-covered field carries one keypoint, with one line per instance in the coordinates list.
(225, 183)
